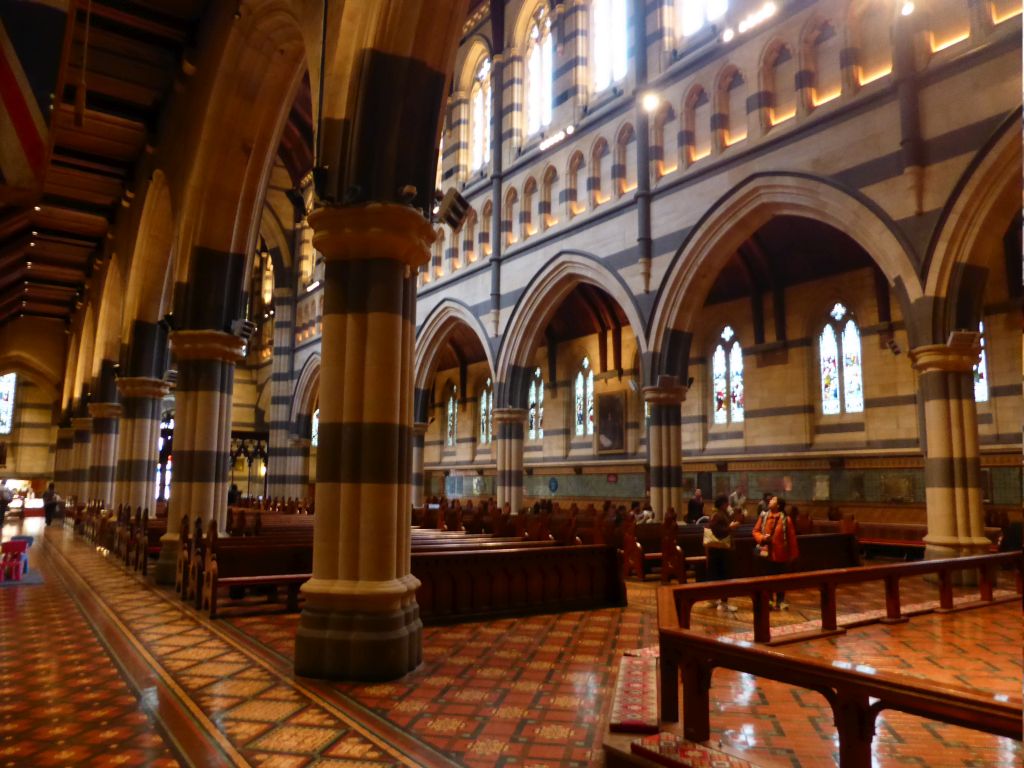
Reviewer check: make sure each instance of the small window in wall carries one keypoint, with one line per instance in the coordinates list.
(585, 399)
(609, 42)
(783, 85)
(981, 371)
(874, 53)
(486, 213)
(697, 133)
(828, 77)
(839, 350)
(8, 382)
(727, 378)
(571, 192)
(536, 411)
(734, 101)
(486, 413)
(314, 436)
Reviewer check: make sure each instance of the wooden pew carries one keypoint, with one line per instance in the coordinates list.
(242, 562)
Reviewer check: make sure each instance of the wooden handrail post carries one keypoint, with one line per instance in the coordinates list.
(762, 616)
(685, 609)
(945, 590)
(828, 606)
(986, 581)
(892, 600)
(696, 699)
(669, 679)
(855, 723)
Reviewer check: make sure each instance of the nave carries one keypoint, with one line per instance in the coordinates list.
(101, 668)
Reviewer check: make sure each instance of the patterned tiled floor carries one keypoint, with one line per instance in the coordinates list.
(531, 691)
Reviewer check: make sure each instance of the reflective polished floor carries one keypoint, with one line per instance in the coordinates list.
(98, 668)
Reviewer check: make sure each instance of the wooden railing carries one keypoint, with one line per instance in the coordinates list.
(856, 693)
(826, 582)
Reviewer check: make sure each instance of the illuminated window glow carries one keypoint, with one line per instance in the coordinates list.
(314, 437)
(8, 382)
(981, 371)
(539, 73)
(609, 53)
(585, 399)
(692, 15)
(727, 379)
(536, 411)
(452, 431)
(486, 413)
(480, 117)
(839, 357)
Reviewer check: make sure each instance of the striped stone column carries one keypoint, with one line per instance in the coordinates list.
(298, 465)
(952, 466)
(103, 459)
(62, 460)
(137, 450)
(665, 446)
(509, 424)
(202, 430)
(282, 482)
(419, 434)
(80, 457)
(360, 619)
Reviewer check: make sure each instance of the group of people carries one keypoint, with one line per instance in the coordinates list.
(774, 538)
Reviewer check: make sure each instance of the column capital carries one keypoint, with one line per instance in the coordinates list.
(81, 424)
(509, 415)
(206, 345)
(664, 395)
(140, 386)
(419, 428)
(957, 357)
(104, 410)
(64, 433)
(372, 231)
(299, 442)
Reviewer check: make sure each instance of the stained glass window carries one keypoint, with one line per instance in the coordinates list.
(7, 384)
(486, 413)
(719, 382)
(608, 29)
(480, 117)
(536, 414)
(736, 382)
(539, 75)
(453, 417)
(980, 371)
(839, 357)
(853, 383)
(727, 379)
(585, 399)
(829, 360)
(314, 437)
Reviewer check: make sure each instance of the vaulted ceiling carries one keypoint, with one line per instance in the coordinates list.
(51, 245)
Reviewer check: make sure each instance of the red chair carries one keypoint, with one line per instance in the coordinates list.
(13, 560)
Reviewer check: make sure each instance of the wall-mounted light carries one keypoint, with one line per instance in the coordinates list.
(907, 9)
(650, 102)
(312, 286)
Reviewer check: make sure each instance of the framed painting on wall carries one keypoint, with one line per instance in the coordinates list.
(611, 422)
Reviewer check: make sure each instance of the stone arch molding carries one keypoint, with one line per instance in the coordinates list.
(744, 210)
(307, 387)
(542, 298)
(434, 332)
(974, 220)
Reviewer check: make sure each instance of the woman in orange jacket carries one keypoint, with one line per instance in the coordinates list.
(775, 535)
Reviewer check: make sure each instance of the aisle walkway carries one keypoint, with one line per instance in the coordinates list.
(104, 667)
